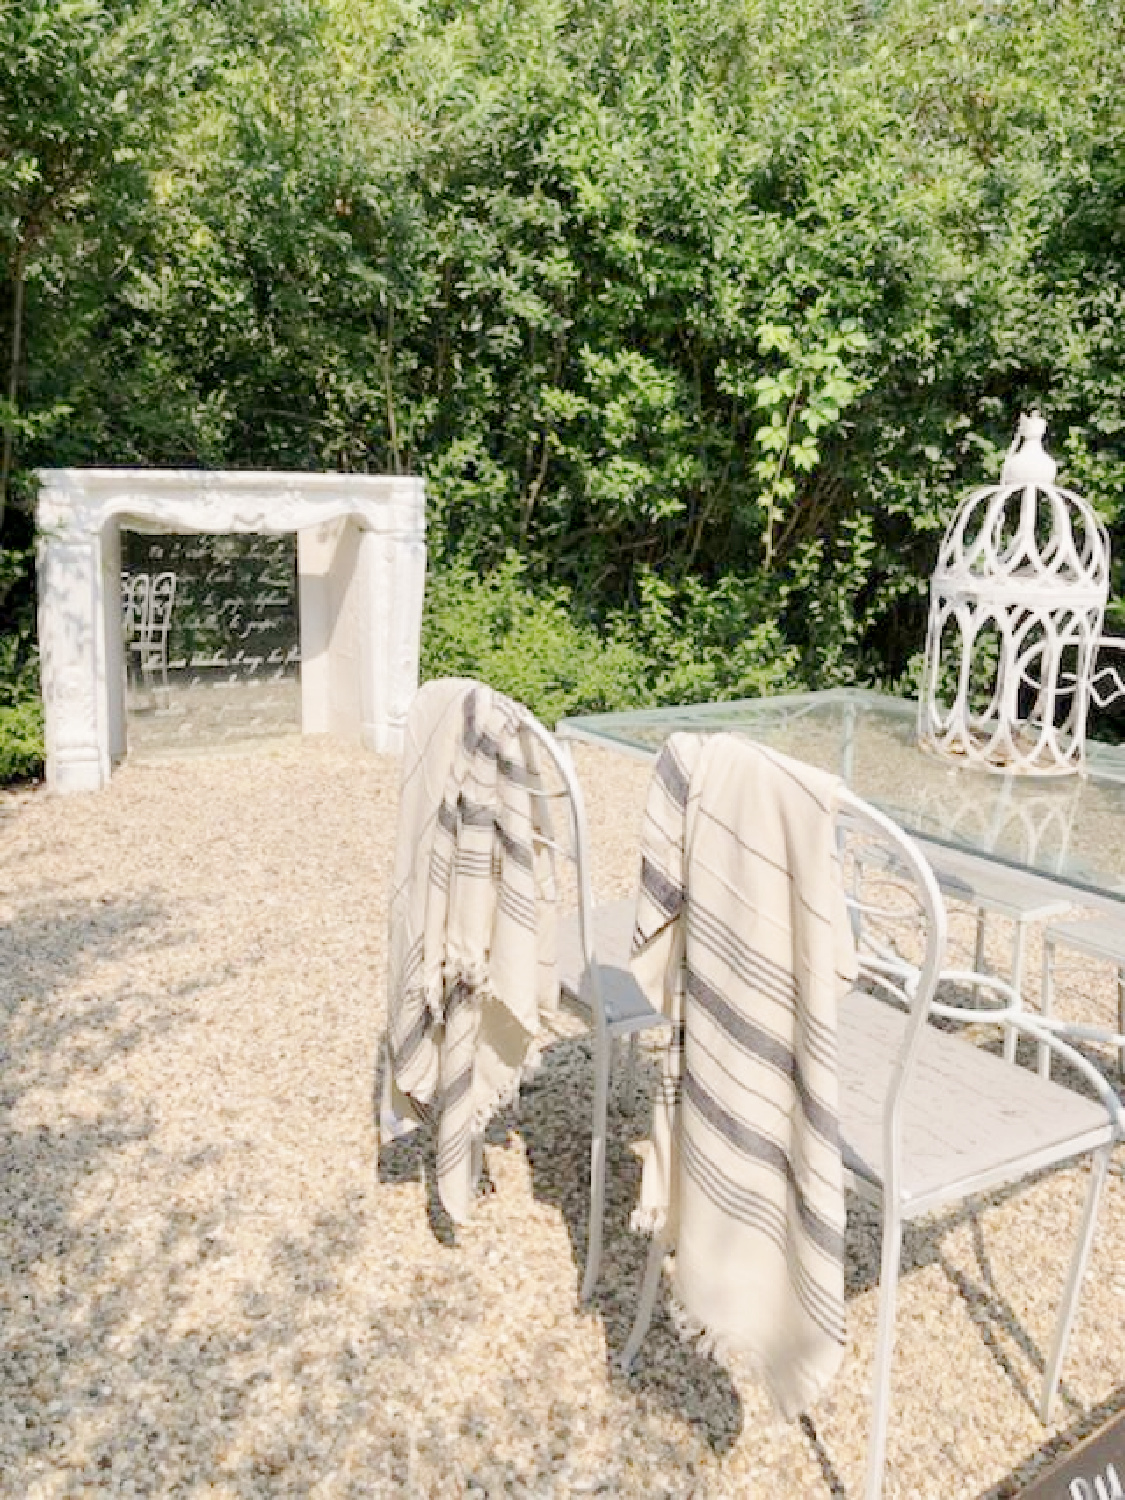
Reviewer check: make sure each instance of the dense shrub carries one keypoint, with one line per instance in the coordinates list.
(526, 643)
(707, 310)
(676, 646)
(21, 741)
(21, 717)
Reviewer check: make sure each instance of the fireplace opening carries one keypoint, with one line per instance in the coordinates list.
(211, 636)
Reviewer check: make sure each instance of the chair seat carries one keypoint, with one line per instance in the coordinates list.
(626, 1009)
(1016, 894)
(1100, 937)
(971, 1121)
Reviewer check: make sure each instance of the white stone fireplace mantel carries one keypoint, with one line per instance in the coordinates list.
(361, 561)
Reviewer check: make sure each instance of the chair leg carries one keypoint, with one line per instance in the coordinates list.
(476, 1160)
(1121, 1020)
(597, 1167)
(884, 1349)
(978, 950)
(386, 1112)
(1069, 1306)
(645, 1303)
(631, 1073)
(1046, 1001)
(1010, 1036)
(392, 1126)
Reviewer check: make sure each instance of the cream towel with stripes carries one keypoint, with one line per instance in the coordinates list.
(471, 967)
(742, 939)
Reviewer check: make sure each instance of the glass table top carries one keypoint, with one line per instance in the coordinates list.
(1070, 828)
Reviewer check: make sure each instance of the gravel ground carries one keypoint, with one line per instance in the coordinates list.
(213, 1286)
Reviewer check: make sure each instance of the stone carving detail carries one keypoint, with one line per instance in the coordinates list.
(225, 501)
(375, 671)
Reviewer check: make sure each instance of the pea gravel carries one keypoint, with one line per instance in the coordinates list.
(211, 1286)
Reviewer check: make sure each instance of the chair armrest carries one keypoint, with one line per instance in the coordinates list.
(1046, 1031)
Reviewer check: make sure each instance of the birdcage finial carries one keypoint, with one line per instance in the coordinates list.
(1028, 462)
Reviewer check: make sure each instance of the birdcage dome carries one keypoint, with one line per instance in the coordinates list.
(1017, 602)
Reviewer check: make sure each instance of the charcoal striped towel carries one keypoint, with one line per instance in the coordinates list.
(742, 938)
(471, 970)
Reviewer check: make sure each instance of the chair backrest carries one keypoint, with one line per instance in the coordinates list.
(162, 596)
(135, 592)
(562, 791)
(898, 914)
(900, 925)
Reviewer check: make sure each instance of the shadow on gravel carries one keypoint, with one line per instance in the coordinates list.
(671, 1369)
(554, 1121)
(1046, 1474)
(48, 1150)
(186, 1343)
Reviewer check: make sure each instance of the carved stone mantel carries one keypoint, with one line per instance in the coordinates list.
(361, 566)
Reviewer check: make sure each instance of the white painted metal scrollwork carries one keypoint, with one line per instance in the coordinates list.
(1107, 683)
(1016, 608)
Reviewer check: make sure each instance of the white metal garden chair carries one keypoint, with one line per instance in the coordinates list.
(928, 1118)
(147, 602)
(594, 980)
(151, 643)
(992, 889)
(1019, 897)
(594, 976)
(135, 589)
(1101, 938)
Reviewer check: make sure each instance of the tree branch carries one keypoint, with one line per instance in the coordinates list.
(14, 357)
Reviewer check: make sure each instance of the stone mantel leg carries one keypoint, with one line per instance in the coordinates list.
(361, 604)
(72, 663)
(396, 575)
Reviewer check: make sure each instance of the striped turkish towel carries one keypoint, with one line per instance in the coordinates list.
(742, 938)
(471, 970)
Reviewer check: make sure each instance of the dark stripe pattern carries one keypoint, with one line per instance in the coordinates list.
(472, 916)
(740, 882)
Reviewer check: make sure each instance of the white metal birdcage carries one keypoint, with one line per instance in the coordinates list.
(1017, 603)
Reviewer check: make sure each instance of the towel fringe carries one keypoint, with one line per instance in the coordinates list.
(650, 1221)
(508, 1094)
(743, 1363)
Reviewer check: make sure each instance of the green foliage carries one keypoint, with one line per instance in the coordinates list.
(21, 717)
(678, 645)
(710, 643)
(707, 309)
(85, 86)
(804, 397)
(525, 643)
(21, 741)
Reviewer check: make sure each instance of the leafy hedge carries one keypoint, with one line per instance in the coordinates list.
(529, 642)
(707, 310)
(21, 717)
(21, 741)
